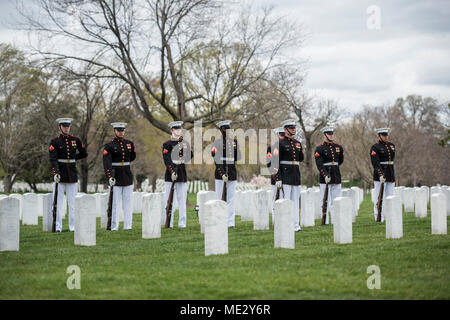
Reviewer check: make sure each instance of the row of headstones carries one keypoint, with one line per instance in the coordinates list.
(216, 231)
(417, 199)
(249, 204)
(242, 186)
(197, 185)
(86, 212)
(48, 187)
(214, 222)
(213, 217)
(33, 205)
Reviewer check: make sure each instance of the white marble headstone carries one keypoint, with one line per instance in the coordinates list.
(408, 199)
(420, 202)
(269, 200)
(348, 193)
(202, 198)
(47, 211)
(216, 227)
(446, 191)
(30, 209)
(317, 204)
(307, 211)
(9, 224)
(394, 217)
(151, 216)
(237, 202)
(85, 220)
(137, 202)
(102, 208)
(98, 210)
(40, 204)
(342, 222)
(355, 199)
(248, 203)
(261, 214)
(435, 189)
(438, 214)
(284, 234)
(20, 198)
(372, 195)
(398, 191)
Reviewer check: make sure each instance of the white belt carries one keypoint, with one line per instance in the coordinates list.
(387, 162)
(178, 161)
(331, 164)
(67, 160)
(120, 164)
(296, 163)
(227, 159)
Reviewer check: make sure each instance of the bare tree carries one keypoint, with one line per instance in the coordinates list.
(150, 45)
(18, 82)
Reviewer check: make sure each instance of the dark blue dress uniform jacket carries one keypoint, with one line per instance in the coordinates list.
(119, 151)
(64, 148)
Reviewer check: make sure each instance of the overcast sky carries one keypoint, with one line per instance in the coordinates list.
(355, 58)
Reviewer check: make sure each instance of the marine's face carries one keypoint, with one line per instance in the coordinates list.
(65, 129)
(119, 133)
(384, 137)
(329, 136)
(177, 132)
(290, 130)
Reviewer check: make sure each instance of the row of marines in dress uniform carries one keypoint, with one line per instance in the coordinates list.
(283, 161)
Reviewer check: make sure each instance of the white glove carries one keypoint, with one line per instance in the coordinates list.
(224, 178)
(327, 179)
(56, 178)
(174, 176)
(112, 181)
(279, 184)
(382, 179)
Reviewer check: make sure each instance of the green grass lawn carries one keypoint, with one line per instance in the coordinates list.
(124, 266)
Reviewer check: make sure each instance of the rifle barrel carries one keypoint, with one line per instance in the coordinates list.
(109, 211)
(380, 202)
(55, 203)
(169, 206)
(325, 205)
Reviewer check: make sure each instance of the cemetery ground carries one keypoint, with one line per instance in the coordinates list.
(124, 266)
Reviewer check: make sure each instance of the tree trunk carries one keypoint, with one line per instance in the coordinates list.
(212, 182)
(33, 186)
(7, 184)
(84, 175)
(154, 178)
(309, 164)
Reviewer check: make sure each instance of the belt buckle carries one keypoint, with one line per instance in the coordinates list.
(67, 160)
(293, 163)
(121, 163)
(332, 163)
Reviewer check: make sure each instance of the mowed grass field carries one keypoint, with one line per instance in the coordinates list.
(124, 266)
